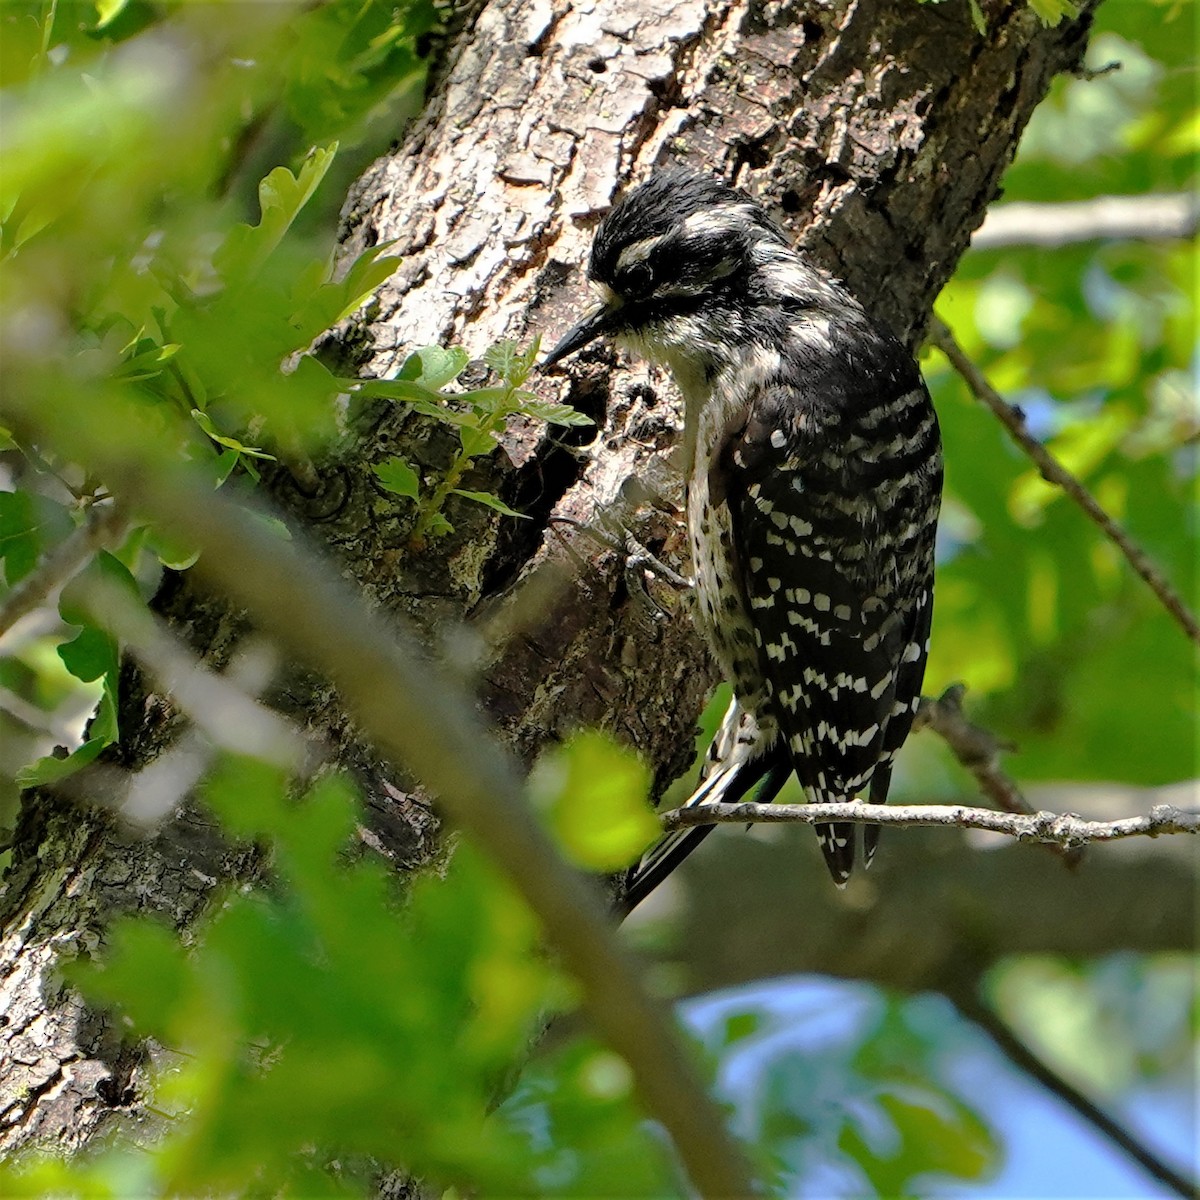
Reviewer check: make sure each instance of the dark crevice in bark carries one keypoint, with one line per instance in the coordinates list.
(536, 487)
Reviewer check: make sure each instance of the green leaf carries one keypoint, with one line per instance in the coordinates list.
(491, 401)
(490, 501)
(274, 525)
(580, 1095)
(502, 358)
(418, 397)
(94, 652)
(322, 303)
(398, 476)
(146, 971)
(248, 796)
(281, 196)
(476, 442)
(511, 364)
(92, 655)
(366, 273)
(347, 64)
(29, 526)
(1051, 12)
(933, 1132)
(433, 367)
(594, 794)
(739, 1026)
(206, 423)
(51, 768)
(171, 551)
(108, 11)
(145, 360)
(555, 414)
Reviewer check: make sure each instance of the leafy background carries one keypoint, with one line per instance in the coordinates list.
(170, 190)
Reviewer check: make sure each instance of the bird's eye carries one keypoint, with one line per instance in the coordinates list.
(638, 277)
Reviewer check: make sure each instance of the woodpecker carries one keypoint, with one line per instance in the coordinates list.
(814, 476)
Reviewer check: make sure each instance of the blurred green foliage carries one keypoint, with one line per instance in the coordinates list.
(845, 1091)
(323, 1029)
(1110, 1025)
(143, 260)
(594, 794)
(130, 277)
(1063, 649)
(166, 214)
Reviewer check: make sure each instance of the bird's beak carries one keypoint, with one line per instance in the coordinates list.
(601, 320)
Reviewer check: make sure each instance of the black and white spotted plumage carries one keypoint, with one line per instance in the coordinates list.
(814, 480)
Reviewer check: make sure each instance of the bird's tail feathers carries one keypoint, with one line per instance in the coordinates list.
(880, 782)
(723, 783)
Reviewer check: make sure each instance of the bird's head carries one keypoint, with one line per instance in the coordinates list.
(674, 255)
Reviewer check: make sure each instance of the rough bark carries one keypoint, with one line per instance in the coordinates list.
(878, 130)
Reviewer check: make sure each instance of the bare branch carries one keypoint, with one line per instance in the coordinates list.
(1151, 217)
(1024, 1059)
(104, 525)
(979, 750)
(1013, 419)
(1063, 829)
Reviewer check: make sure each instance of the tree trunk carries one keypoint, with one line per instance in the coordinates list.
(878, 130)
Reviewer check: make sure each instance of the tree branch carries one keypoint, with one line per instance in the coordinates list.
(104, 525)
(1146, 218)
(979, 750)
(1025, 1060)
(932, 913)
(224, 707)
(1013, 419)
(1063, 829)
(419, 719)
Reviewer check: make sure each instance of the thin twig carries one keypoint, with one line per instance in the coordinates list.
(155, 791)
(224, 707)
(104, 526)
(225, 711)
(1063, 829)
(1022, 1057)
(416, 717)
(979, 750)
(1167, 217)
(1054, 472)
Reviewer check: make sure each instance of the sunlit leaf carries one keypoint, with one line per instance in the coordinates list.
(398, 476)
(223, 439)
(1051, 12)
(433, 366)
(281, 196)
(555, 414)
(594, 794)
